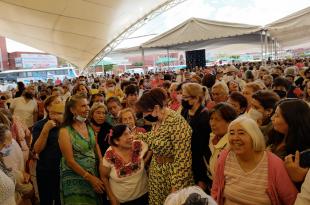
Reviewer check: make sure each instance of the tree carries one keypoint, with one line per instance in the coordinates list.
(137, 64)
(108, 67)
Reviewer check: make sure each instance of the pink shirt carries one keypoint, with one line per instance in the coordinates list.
(280, 190)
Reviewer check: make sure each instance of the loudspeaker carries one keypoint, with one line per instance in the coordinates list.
(195, 58)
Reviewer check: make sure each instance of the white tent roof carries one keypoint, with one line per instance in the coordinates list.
(292, 30)
(76, 30)
(197, 30)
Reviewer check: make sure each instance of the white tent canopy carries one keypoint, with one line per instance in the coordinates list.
(200, 31)
(292, 30)
(76, 30)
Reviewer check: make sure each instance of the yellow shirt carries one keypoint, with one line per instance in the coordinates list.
(116, 93)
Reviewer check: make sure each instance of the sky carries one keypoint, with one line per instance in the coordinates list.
(255, 12)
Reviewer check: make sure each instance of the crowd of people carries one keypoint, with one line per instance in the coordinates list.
(230, 134)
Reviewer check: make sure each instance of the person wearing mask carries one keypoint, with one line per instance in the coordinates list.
(113, 91)
(114, 107)
(45, 145)
(197, 117)
(25, 107)
(220, 117)
(170, 141)
(281, 86)
(7, 185)
(81, 156)
(247, 173)
(238, 102)
(263, 105)
(125, 178)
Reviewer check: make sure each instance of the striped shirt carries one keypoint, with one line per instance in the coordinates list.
(246, 188)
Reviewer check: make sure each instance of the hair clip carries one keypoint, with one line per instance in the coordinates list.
(110, 135)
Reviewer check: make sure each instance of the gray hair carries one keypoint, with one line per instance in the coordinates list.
(251, 127)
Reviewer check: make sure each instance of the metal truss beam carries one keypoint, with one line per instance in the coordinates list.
(132, 28)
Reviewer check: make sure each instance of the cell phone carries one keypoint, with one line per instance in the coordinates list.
(304, 159)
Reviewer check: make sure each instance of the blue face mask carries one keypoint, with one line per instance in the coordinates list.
(6, 150)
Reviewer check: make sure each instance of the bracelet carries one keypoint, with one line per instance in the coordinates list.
(85, 175)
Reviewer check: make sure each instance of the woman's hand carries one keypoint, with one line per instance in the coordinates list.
(96, 183)
(26, 178)
(114, 201)
(101, 171)
(49, 125)
(296, 173)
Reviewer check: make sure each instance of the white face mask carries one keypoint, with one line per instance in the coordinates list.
(255, 114)
(80, 118)
(6, 150)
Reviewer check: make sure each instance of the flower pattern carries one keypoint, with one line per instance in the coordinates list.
(126, 169)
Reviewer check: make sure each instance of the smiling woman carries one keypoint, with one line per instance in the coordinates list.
(246, 166)
(79, 182)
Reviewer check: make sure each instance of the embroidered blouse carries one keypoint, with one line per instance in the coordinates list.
(128, 181)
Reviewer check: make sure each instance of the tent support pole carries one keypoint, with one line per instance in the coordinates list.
(168, 58)
(262, 46)
(266, 49)
(276, 49)
(143, 59)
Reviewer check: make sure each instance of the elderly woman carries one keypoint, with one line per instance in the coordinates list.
(170, 141)
(98, 120)
(247, 174)
(125, 178)
(220, 116)
(79, 181)
(197, 116)
(219, 92)
(45, 145)
(127, 116)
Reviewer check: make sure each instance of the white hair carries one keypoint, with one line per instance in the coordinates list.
(180, 197)
(251, 127)
(222, 85)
